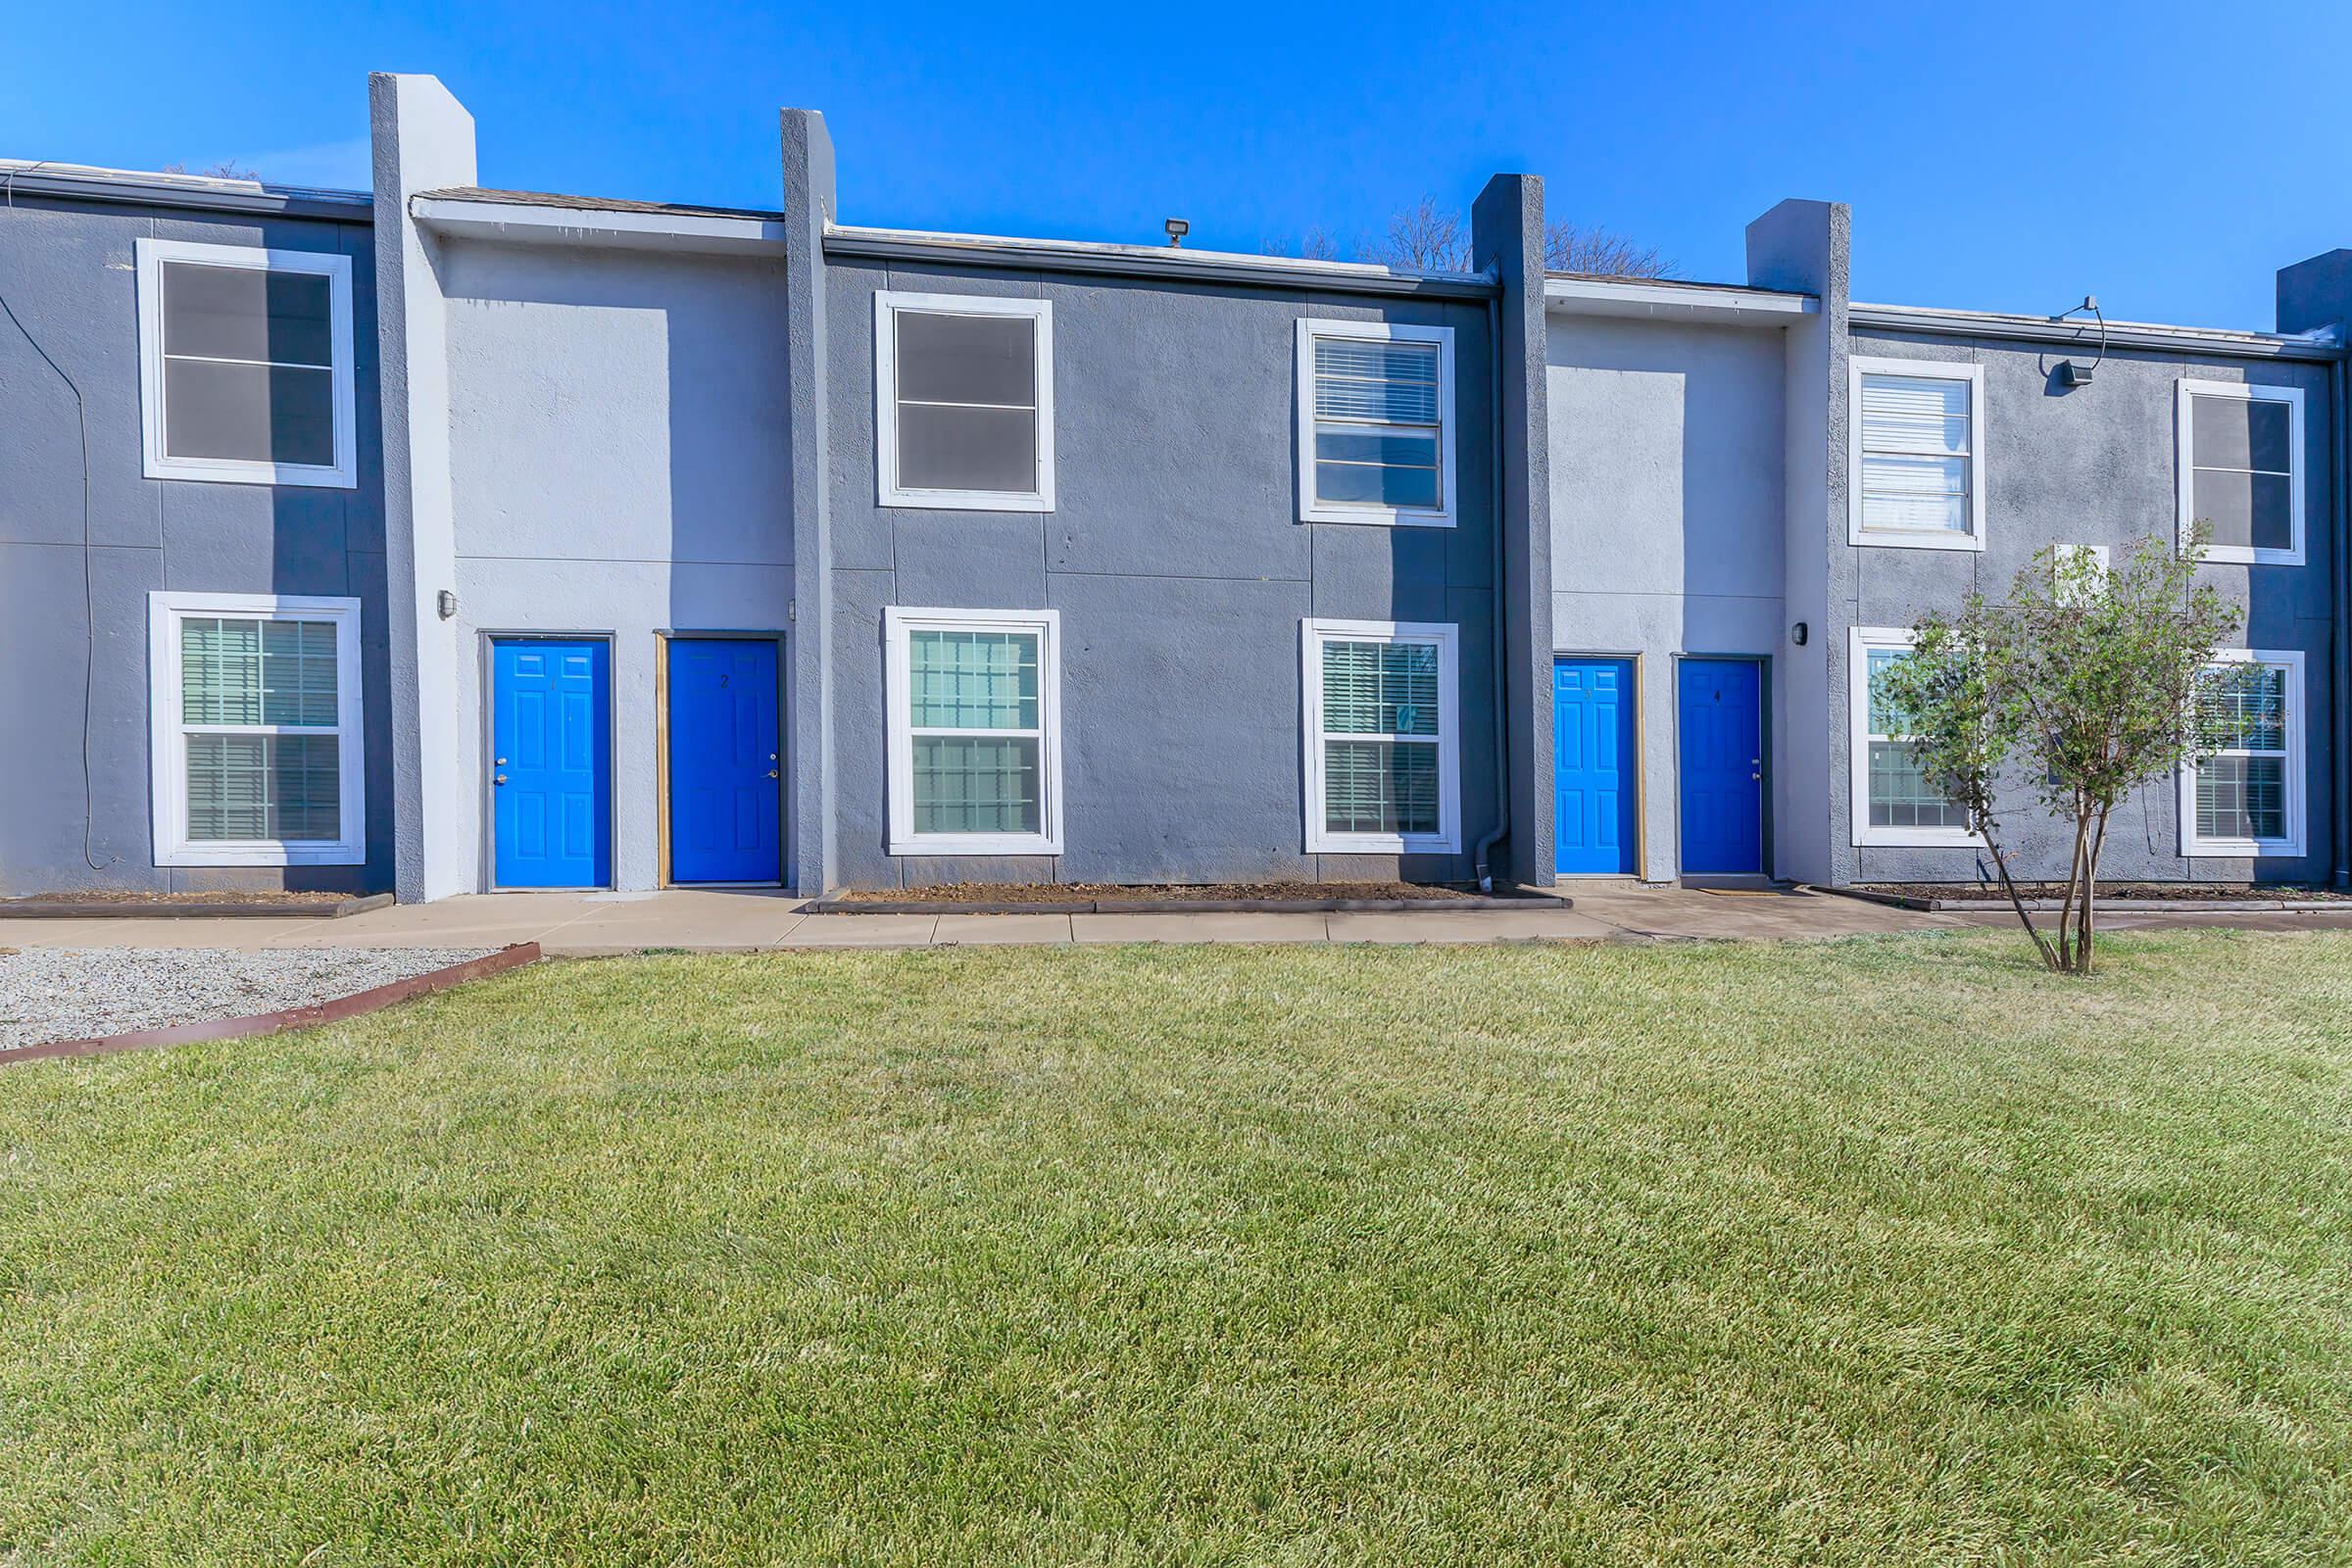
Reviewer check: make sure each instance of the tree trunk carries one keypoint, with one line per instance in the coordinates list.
(2091, 886)
(2066, 906)
(2000, 863)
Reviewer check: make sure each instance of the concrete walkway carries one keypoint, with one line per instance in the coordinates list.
(573, 924)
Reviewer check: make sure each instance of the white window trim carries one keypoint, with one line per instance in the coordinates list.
(153, 254)
(1860, 641)
(1444, 635)
(1860, 365)
(2194, 844)
(2184, 480)
(1311, 510)
(887, 305)
(898, 625)
(166, 748)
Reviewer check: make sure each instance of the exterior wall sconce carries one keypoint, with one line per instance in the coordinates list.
(2073, 372)
(1798, 633)
(446, 602)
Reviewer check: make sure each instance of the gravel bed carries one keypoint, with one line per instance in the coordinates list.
(79, 992)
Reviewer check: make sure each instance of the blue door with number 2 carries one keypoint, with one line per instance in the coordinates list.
(1720, 716)
(725, 773)
(552, 761)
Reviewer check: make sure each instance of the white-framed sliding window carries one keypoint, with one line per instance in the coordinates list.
(975, 731)
(2241, 471)
(245, 365)
(1383, 737)
(1893, 804)
(1376, 423)
(256, 738)
(1916, 469)
(2247, 798)
(963, 402)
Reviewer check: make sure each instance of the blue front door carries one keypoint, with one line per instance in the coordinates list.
(725, 773)
(1592, 758)
(551, 762)
(1720, 725)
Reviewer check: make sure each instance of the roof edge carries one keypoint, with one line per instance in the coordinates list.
(43, 176)
(1152, 261)
(1935, 321)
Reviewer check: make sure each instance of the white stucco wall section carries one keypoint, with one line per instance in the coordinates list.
(1668, 445)
(619, 428)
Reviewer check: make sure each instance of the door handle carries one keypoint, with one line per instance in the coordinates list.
(771, 774)
(500, 779)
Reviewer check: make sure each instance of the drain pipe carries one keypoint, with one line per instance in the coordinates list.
(2339, 429)
(1502, 689)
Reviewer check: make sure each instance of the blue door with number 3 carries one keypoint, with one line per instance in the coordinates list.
(1720, 717)
(551, 780)
(1593, 757)
(725, 773)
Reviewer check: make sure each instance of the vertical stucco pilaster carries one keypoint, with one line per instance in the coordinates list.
(1806, 247)
(807, 209)
(423, 141)
(1506, 226)
(2315, 294)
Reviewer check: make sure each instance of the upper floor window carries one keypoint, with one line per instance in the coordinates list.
(245, 365)
(2241, 469)
(1382, 737)
(1375, 423)
(1918, 458)
(2246, 797)
(963, 402)
(1894, 802)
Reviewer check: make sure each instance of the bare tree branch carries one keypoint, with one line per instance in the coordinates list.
(1570, 246)
(1425, 237)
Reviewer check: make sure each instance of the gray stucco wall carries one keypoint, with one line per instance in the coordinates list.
(68, 273)
(619, 462)
(1666, 444)
(2096, 466)
(1180, 570)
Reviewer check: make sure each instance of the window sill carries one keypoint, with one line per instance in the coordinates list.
(2241, 850)
(2233, 556)
(223, 470)
(1919, 838)
(976, 843)
(1382, 844)
(968, 501)
(262, 854)
(1376, 516)
(1862, 538)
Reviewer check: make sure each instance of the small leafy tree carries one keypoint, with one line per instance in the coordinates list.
(2085, 681)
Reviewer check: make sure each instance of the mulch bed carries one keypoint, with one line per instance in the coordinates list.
(222, 896)
(2119, 891)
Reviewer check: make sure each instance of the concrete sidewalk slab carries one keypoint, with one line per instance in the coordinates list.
(700, 920)
(1510, 925)
(980, 930)
(861, 931)
(1208, 927)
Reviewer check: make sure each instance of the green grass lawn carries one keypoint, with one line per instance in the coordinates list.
(1872, 1253)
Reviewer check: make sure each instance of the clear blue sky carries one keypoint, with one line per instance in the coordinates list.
(2168, 157)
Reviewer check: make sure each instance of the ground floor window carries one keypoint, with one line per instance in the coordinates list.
(256, 738)
(1382, 737)
(976, 746)
(2246, 795)
(1894, 802)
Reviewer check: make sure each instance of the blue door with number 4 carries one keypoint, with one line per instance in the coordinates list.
(1593, 757)
(551, 781)
(1719, 719)
(725, 770)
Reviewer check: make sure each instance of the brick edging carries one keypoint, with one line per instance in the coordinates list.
(334, 1010)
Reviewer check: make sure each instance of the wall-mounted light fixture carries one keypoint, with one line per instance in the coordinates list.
(2073, 372)
(1798, 633)
(446, 602)
(1177, 228)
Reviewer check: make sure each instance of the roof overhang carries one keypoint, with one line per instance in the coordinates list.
(536, 224)
(1721, 304)
(1921, 319)
(1169, 262)
(203, 193)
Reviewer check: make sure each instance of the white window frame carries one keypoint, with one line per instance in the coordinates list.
(2192, 844)
(1313, 509)
(167, 745)
(899, 623)
(1860, 367)
(2186, 477)
(1861, 640)
(887, 304)
(1444, 636)
(153, 254)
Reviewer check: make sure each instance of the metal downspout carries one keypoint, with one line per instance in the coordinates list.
(2339, 546)
(1502, 685)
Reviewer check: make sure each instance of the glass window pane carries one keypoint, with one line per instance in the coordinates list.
(245, 313)
(272, 788)
(219, 671)
(258, 414)
(2243, 708)
(2241, 798)
(1904, 414)
(2245, 509)
(1364, 484)
(1901, 796)
(1380, 787)
(1365, 379)
(1393, 445)
(973, 679)
(2241, 433)
(968, 449)
(976, 784)
(966, 359)
(1885, 717)
(1380, 687)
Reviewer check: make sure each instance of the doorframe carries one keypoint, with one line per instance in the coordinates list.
(661, 641)
(1641, 766)
(488, 657)
(1764, 784)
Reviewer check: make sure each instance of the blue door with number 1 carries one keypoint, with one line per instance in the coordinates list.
(1593, 757)
(726, 793)
(550, 735)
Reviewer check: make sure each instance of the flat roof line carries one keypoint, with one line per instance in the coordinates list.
(1936, 320)
(45, 176)
(1150, 261)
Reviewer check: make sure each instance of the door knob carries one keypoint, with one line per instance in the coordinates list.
(502, 762)
(771, 772)
(500, 779)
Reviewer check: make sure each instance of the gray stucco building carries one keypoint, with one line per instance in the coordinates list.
(704, 546)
